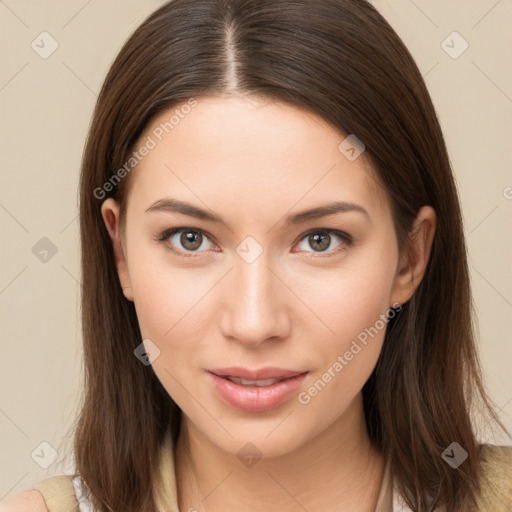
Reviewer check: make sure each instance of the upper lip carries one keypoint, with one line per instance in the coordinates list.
(268, 372)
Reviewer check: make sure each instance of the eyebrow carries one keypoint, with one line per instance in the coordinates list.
(175, 205)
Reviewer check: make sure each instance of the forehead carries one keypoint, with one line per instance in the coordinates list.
(233, 154)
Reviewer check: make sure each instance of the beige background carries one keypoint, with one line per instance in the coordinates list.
(46, 106)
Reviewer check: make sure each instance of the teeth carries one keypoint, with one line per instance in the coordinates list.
(260, 383)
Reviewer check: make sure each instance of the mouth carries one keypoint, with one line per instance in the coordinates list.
(261, 377)
(256, 390)
(248, 382)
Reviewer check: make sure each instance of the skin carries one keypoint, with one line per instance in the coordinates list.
(29, 500)
(254, 163)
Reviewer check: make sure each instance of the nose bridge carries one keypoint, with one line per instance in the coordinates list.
(256, 308)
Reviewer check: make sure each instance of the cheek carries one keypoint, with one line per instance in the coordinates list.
(167, 297)
(170, 304)
(350, 298)
(355, 305)
(346, 360)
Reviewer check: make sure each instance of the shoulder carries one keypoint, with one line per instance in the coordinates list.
(56, 494)
(29, 501)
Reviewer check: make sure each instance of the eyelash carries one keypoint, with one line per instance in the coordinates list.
(345, 237)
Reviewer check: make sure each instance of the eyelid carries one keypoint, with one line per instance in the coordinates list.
(345, 237)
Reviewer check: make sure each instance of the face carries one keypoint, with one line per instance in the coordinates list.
(253, 282)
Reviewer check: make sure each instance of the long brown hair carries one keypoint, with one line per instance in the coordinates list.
(341, 60)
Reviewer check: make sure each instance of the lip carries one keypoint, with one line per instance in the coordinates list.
(256, 398)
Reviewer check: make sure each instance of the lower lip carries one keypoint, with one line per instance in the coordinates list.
(254, 398)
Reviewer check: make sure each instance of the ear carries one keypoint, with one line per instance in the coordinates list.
(414, 256)
(110, 214)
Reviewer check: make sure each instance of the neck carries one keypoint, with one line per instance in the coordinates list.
(337, 470)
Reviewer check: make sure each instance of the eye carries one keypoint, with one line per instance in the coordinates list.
(321, 239)
(187, 240)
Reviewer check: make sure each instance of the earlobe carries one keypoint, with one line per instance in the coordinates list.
(415, 255)
(110, 214)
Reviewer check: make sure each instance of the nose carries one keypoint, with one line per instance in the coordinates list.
(256, 303)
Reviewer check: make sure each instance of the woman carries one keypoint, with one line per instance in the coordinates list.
(276, 301)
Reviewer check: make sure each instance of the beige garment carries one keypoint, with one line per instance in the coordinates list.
(497, 485)
(59, 492)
